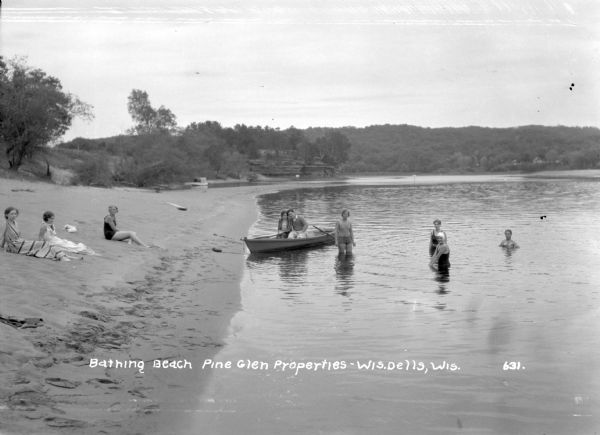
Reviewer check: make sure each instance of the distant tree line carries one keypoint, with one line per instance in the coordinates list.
(209, 149)
(200, 149)
(407, 149)
(35, 112)
(156, 151)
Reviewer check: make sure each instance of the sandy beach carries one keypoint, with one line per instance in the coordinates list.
(89, 365)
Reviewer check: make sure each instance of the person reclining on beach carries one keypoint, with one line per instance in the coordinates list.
(48, 234)
(112, 233)
(299, 225)
(13, 242)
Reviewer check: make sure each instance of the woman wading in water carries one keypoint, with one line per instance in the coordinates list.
(437, 231)
(440, 260)
(344, 237)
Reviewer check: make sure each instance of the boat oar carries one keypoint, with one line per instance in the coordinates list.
(324, 232)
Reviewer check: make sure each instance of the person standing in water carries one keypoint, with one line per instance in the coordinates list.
(440, 260)
(508, 242)
(344, 237)
(437, 231)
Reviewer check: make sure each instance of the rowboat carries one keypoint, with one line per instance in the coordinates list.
(273, 244)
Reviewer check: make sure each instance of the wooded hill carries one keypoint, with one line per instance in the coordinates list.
(406, 148)
(35, 112)
(207, 149)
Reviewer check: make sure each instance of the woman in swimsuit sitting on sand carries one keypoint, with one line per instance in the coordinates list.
(48, 234)
(112, 233)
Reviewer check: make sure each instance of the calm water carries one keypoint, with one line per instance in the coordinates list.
(537, 306)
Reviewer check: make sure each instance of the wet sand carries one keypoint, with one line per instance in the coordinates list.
(130, 304)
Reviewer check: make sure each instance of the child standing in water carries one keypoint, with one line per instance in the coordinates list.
(344, 237)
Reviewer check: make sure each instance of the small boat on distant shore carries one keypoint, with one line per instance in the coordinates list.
(198, 182)
(273, 244)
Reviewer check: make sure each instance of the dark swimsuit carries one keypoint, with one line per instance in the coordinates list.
(432, 244)
(444, 263)
(108, 231)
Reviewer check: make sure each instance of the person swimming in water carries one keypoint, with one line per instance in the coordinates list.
(508, 242)
(440, 260)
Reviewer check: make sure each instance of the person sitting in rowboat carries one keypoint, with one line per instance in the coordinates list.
(298, 224)
(284, 227)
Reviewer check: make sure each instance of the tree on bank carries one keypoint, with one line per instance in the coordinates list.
(34, 110)
(149, 120)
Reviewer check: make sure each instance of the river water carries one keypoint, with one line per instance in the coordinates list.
(378, 343)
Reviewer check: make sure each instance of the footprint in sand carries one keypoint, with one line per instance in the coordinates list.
(64, 422)
(151, 409)
(62, 383)
(101, 381)
(137, 392)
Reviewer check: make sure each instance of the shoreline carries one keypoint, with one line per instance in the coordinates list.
(129, 305)
(173, 303)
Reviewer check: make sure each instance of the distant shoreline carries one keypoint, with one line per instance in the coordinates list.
(275, 181)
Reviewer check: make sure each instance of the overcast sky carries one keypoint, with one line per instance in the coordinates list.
(279, 63)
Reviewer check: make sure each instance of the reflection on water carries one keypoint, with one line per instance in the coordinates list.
(344, 268)
(534, 305)
(442, 277)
